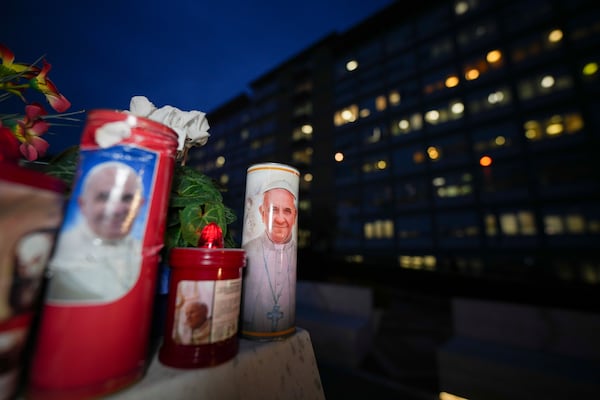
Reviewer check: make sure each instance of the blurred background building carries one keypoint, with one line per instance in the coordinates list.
(453, 137)
(447, 145)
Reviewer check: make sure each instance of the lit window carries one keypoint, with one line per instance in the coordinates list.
(347, 115)
(509, 225)
(495, 97)
(302, 133)
(379, 229)
(457, 108)
(493, 56)
(590, 273)
(555, 35)
(527, 223)
(433, 153)
(472, 74)
(575, 223)
(432, 116)
(590, 69)
(573, 123)
(461, 7)
(533, 130)
(380, 103)
(407, 125)
(307, 129)
(452, 81)
(394, 97)
(303, 156)
(547, 81)
(491, 229)
(553, 126)
(351, 65)
(485, 161)
(417, 262)
(374, 166)
(553, 225)
(224, 179)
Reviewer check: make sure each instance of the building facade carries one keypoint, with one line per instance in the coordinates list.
(456, 138)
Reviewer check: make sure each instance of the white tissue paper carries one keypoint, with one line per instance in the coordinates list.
(191, 126)
(112, 133)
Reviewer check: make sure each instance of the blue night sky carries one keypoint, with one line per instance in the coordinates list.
(194, 55)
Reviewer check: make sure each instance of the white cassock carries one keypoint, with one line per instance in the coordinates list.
(86, 268)
(269, 286)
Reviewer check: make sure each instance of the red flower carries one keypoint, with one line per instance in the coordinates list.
(12, 73)
(28, 131)
(9, 145)
(41, 83)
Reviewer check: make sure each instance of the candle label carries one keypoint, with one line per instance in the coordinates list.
(206, 311)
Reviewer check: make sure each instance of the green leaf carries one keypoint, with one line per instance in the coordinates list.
(64, 165)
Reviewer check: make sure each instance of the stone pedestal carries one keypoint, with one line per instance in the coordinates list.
(284, 369)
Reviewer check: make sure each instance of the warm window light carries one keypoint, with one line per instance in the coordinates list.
(308, 177)
(438, 181)
(452, 81)
(555, 36)
(351, 65)
(554, 129)
(339, 157)
(433, 153)
(590, 68)
(364, 113)
(573, 123)
(493, 56)
(531, 134)
(380, 103)
(485, 161)
(224, 179)
(432, 115)
(457, 108)
(418, 157)
(496, 97)
(547, 81)
(532, 130)
(429, 262)
(348, 115)
(472, 74)
(220, 161)
(394, 97)
(416, 121)
(381, 164)
(461, 7)
(307, 129)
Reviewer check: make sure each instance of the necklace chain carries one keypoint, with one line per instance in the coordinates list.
(275, 297)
